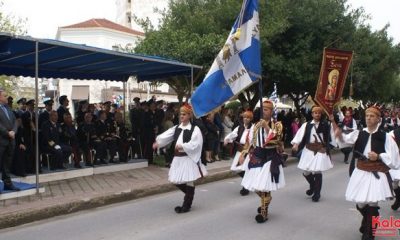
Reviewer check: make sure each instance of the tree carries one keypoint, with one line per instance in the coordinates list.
(10, 24)
(293, 35)
(194, 31)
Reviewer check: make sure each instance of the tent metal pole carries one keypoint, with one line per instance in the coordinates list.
(37, 114)
(125, 102)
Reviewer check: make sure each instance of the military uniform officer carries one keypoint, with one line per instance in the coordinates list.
(29, 129)
(69, 137)
(88, 140)
(106, 132)
(51, 142)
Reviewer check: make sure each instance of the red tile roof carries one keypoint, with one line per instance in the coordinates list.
(104, 23)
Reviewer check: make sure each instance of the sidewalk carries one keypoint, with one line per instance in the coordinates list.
(72, 195)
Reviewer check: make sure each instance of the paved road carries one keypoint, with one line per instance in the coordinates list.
(219, 212)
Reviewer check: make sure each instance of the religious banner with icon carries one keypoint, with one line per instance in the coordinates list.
(332, 78)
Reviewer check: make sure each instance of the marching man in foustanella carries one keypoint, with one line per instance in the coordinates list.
(395, 174)
(264, 149)
(376, 153)
(239, 136)
(186, 166)
(313, 139)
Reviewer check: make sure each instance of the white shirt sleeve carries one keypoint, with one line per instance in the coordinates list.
(166, 137)
(232, 136)
(350, 138)
(391, 156)
(299, 135)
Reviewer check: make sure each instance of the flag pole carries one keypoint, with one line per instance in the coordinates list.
(260, 89)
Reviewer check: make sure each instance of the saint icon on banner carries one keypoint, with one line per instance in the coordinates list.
(332, 85)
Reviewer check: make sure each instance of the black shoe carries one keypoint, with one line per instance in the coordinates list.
(180, 209)
(244, 192)
(260, 218)
(77, 165)
(11, 187)
(396, 203)
(316, 197)
(347, 162)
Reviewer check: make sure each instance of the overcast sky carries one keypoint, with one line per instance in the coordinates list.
(45, 16)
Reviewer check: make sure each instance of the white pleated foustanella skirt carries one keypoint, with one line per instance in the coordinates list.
(364, 187)
(259, 179)
(240, 168)
(395, 174)
(314, 163)
(183, 170)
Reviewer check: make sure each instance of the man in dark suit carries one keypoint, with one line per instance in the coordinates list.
(21, 106)
(44, 116)
(29, 129)
(62, 109)
(51, 142)
(8, 128)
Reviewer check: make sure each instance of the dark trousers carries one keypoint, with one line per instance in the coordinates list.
(19, 162)
(6, 155)
(123, 149)
(149, 139)
(112, 147)
(59, 155)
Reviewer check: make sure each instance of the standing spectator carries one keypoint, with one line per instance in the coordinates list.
(63, 108)
(211, 137)
(150, 130)
(83, 108)
(295, 126)
(159, 116)
(21, 106)
(167, 151)
(45, 114)
(8, 128)
(29, 129)
(10, 102)
(123, 140)
(135, 117)
(19, 160)
(218, 122)
(227, 123)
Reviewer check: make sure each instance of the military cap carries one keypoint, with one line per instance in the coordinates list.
(48, 102)
(21, 101)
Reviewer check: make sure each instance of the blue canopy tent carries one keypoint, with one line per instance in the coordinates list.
(41, 58)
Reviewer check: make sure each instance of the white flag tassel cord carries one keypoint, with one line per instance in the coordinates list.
(237, 65)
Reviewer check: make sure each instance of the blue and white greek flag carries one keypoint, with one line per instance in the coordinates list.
(237, 66)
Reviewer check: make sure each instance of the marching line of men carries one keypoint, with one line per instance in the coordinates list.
(376, 153)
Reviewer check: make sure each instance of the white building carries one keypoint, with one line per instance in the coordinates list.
(100, 33)
(141, 9)
(106, 34)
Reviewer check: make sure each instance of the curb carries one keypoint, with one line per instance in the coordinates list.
(16, 219)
